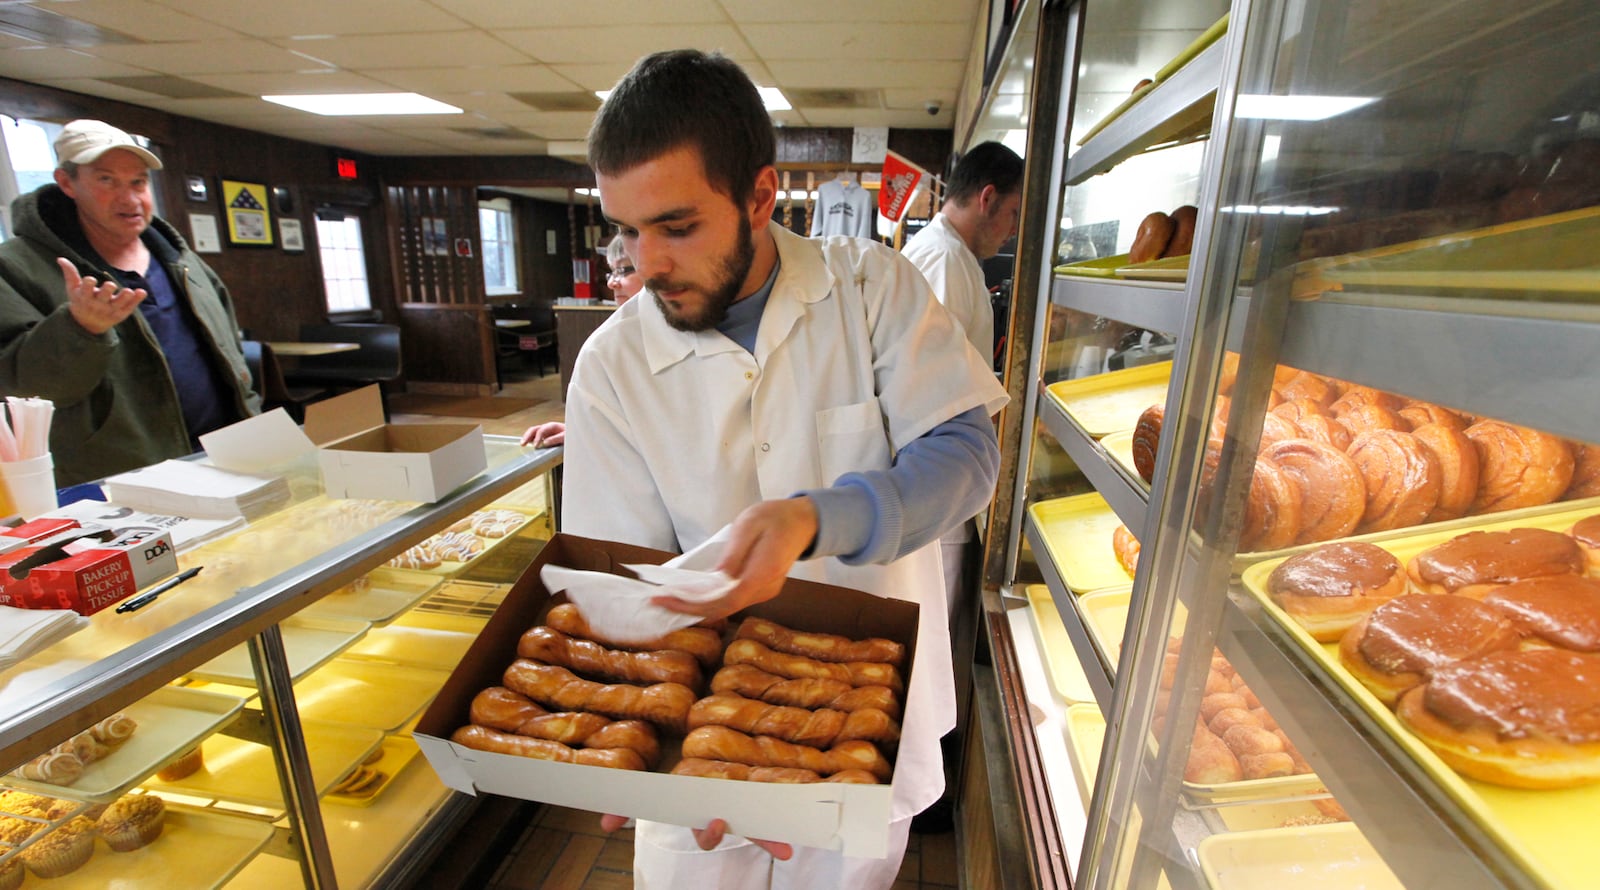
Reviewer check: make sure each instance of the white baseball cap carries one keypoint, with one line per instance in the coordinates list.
(83, 141)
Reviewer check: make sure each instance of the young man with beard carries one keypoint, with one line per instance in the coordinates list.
(808, 392)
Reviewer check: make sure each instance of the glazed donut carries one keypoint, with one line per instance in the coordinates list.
(1146, 438)
(1363, 417)
(1328, 589)
(1324, 429)
(1272, 512)
(1306, 385)
(1585, 472)
(1155, 230)
(1296, 410)
(1333, 494)
(1404, 640)
(1519, 467)
(1421, 413)
(1276, 428)
(1586, 532)
(1458, 468)
(1476, 562)
(1562, 611)
(1182, 240)
(1525, 719)
(1356, 395)
(1402, 479)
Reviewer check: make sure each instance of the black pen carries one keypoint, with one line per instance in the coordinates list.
(143, 600)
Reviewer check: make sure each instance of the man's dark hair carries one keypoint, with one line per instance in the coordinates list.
(686, 98)
(987, 163)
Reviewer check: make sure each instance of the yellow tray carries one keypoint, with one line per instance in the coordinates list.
(195, 849)
(1206, 38)
(1172, 268)
(1104, 267)
(1530, 825)
(397, 752)
(1106, 614)
(367, 693)
(451, 568)
(1077, 533)
(391, 591)
(243, 772)
(308, 643)
(1553, 254)
(1060, 659)
(426, 647)
(1312, 857)
(1086, 732)
(1106, 403)
(1119, 111)
(1120, 446)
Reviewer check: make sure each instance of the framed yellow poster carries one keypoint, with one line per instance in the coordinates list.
(249, 221)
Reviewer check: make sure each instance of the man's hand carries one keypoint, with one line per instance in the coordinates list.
(545, 434)
(763, 544)
(708, 837)
(94, 306)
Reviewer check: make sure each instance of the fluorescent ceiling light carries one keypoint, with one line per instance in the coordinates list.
(771, 97)
(1297, 108)
(350, 104)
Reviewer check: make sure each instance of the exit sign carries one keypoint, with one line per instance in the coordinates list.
(345, 168)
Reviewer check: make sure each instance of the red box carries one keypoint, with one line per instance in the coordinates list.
(87, 574)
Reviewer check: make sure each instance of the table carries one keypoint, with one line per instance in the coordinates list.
(299, 348)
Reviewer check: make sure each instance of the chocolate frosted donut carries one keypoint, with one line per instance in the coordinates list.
(1404, 640)
(1473, 563)
(1561, 610)
(1330, 588)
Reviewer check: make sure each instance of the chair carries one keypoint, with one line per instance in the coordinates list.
(267, 376)
(536, 341)
(377, 360)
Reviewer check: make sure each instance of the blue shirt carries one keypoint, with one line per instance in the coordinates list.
(205, 405)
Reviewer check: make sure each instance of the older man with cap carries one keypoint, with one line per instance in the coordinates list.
(106, 311)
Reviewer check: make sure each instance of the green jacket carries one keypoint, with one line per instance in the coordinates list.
(116, 407)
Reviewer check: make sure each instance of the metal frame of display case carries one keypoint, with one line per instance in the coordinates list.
(1358, 335)
(74, 703)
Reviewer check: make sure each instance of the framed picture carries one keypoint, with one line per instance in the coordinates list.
(464, 247)
(249, 220)
(203, 230)
(435, 237)
(290, 235)
(196, 188)
(283, 200)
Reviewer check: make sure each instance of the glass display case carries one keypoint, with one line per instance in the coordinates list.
(1309, 323)
(267, 701)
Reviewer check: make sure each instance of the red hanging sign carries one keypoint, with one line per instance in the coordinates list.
(900, 180)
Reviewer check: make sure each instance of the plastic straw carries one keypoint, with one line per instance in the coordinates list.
(29, 433)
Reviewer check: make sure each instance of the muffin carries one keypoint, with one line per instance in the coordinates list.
(11, 874)
(62, 851)
(132, 821)
(14, 831)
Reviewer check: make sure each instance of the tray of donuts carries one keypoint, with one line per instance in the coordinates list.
(1479, 651)
(453, 550)
(784, 719)
(1339, 460)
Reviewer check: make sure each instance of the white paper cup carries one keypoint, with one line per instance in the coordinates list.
(32, 484)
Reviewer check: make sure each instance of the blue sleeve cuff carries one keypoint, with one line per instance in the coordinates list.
(859, 520)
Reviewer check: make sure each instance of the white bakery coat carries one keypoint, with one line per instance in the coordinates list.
(957, 280)
(670, 434)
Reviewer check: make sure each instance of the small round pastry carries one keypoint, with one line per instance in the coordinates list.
(62, 851)
(1356, 395)
(1296, 410)
(1524, 719)
(1403, 641)
(1272, 512)
(1419, 413)
(186, 764)
(1324, 429)
(1155, 230)
(1146, 438)
(1126, 547)
(1519, 467)
(1329, 589)
(1182, 240)
(1333, 494)
(1306, 385)
(1476, 562)
(1561, 611)
(1585, 472)
(132, 821)
(1458, 468)
(1401, 476)
(1586, 532)
(1275, 428)
(1363, 417)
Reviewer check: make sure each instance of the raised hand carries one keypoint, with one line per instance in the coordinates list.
(97, 307)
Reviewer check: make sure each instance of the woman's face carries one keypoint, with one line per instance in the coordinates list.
(624, 281)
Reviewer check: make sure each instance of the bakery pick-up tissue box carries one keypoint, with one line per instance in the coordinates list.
(64, 565)
(851, 818)
(363, 457)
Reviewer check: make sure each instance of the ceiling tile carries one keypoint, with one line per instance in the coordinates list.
(866, 74)
(596, 76)
(142, 19)
(886, 11)
(282, 18)
(495, 105)
(274, 83)
(91, 87)
(494, 14)
(51, 63)
(497, 78)
(612, 42)
(551, 124)
(410, 50)
(207, 57)
(848, 41)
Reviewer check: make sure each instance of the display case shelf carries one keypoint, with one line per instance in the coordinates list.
(1423, 834)
(1100, 673)
(1098, 466)
(1176, 110)
(1154, 306)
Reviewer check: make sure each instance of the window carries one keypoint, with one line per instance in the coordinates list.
(344, 263)
(498, 234)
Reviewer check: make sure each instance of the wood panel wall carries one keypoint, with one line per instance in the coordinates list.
(446, 329)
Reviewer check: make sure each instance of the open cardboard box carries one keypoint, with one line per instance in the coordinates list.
(851, 818)
(364, 457)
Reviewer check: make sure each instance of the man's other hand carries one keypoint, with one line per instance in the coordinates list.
(97, 307)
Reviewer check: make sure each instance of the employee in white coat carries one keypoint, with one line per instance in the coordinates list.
(808, 392)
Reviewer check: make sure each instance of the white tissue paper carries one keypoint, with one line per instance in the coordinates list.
(620, 609)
